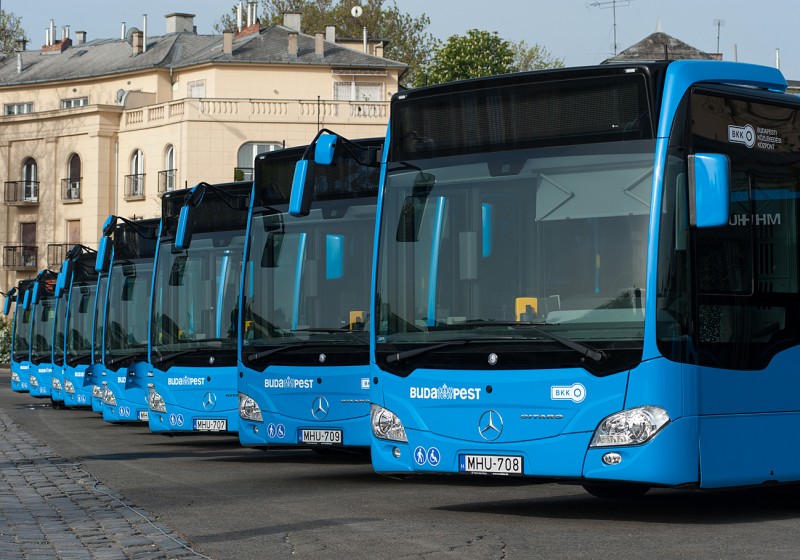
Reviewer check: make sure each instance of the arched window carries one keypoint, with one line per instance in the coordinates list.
(30, 181)
(168, 177)
(71, 186)
(134, 183)
(247, 156)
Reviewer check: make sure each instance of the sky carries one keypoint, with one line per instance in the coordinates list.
(581, 32)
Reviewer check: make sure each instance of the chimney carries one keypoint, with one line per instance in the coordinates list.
(19, 63)
(227, 42)
(292, 44)
(330, 33)
(52, 40)
(319, 45)
(292, 21)
(80, 37)
(122, 32)
(239, 17)
(138, 37)
(144, 32)
(179, 23)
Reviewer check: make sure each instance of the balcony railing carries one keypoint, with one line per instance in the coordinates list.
(20, 257)
(167, 180)
(57, 254)
(243, 173)
(21, 193)
(134, 187)
(70, 190)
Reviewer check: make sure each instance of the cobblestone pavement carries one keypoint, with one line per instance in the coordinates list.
(51, 508)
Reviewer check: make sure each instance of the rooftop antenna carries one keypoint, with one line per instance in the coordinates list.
(604, 4)
(719, 23)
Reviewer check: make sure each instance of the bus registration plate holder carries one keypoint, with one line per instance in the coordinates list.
(508, 465)
(210, 425)
(144, 415)
(320, 437)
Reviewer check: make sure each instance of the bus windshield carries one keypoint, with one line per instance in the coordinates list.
(22, 343)
(80, 322)
(58, 339)
(43, 330)
(127, 318)
(485, 244)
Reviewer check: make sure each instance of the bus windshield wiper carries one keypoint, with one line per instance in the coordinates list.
(122, 357)
(331, 330)
(585, 350)
(406, 354)
(291, 345)
(172, 355)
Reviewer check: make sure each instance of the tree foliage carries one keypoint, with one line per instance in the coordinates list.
(11, 33)
(407, 37)
(5, 340)
(483, 53)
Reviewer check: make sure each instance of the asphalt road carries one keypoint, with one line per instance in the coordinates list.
(237, 503)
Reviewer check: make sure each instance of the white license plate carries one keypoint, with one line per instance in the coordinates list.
(210, 425)
(144, 416)
(320, 437)
(490, 464)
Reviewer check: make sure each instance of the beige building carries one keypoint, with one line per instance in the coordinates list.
(92, 128)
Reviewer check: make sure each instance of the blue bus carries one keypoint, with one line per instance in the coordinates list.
(591, 275)
(83, 287)
(125, 332)
(60, 292)
(21, 338)
(194, 310)
(11, 300)
(304, 369)
(43, 321)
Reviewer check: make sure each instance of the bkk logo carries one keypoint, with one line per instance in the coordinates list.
(445, 393)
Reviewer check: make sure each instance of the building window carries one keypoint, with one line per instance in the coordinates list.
(168, 176)
(196, 88)
(27, 235)
(30, 182)
(18, 108)
(247, 156)
(134, 183)
(73, 232)
(76, 102)
(71, 185)
(357, 91)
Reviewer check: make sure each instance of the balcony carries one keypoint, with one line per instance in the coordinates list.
(134, 187)
(57, 254)
(20, 257)
(22, 193)
(243, 173)
(167, 180)
(70, 190)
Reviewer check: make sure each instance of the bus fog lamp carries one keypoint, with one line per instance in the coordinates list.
(155, 401)
(396, 452)
(630, 427)
(386, 424)
(612, 458)
(249, 409)
(69, 387)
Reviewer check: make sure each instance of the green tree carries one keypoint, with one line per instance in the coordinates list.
(11, 33)
(407, 38)
(5, 340)
(483, 53)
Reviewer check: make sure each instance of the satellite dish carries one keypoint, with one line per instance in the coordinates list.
(356, 11)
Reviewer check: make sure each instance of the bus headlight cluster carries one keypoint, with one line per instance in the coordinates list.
(69, 387)
(34, 381)
(56, 384)
(386, 424)
(630, 427)
(97, 392)
(14, 377)
(155, 401)
(249, 409)
(108, 397)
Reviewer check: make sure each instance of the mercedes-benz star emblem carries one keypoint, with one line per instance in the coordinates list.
(209, 401)
(490, 425)
(319, 408)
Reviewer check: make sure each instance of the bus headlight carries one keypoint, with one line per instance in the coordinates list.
(34, 381)
(97, 392)
(630, 427)
(386, 424)
(249, 409)
(108, 397)
(14, 377)
(69, 387)
(155, 401)
(56, 384)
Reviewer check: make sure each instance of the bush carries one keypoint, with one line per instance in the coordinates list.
(5, 340)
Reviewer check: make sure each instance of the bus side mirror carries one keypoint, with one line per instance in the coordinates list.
(7, 305)
(103, 260)
(26, 301)
(709, 190)
(36, 292)
(302, 191)
(183, 237)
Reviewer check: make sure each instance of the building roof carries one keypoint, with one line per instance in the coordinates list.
(102, 57)
(660, 46)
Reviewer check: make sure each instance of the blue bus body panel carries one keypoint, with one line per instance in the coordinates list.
(192, 394)
(82, 395)
(23, 371)
(41, 380)
(131, 402)
(134, 393)
(94, 376)
(292, 399)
